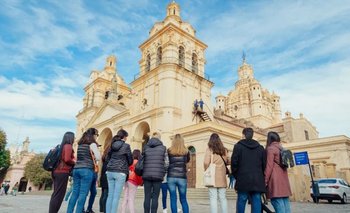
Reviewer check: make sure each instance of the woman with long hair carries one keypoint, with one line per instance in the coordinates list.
(217, 152)
(61, 174)
(276, 177)
(179, 156)
(83, 171)
(117, 169)
(103, 178)
(131, 186)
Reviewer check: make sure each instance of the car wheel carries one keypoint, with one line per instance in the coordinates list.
(330, 201)
(343, 200)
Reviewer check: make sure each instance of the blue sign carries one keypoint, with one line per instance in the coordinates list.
(301, 158)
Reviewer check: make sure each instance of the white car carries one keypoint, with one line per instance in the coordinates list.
(332, 189)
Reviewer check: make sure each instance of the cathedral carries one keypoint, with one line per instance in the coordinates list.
(161, 98)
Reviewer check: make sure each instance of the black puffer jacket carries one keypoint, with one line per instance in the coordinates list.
(155, 155)
(120, 157)
(177, 165)
(248, 163)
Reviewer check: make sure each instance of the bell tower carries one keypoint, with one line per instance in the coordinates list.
(172, 72)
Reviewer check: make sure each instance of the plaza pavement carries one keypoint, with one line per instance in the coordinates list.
(38, 203)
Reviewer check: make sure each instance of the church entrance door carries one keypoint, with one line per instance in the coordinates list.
(191, 168)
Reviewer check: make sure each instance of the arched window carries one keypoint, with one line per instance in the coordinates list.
(181, 56)
(159, 55)
(194, 63)
(148, 62)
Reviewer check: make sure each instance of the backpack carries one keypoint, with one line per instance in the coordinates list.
(52, 159)
(286, 158)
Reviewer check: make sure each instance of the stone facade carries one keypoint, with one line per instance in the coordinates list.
(19, 157)
(160, 98)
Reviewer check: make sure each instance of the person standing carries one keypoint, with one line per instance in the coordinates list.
(155, 164)
(103, 179)
(276, 177)
(217, 152)
(248, 163)
(93, 191)
(61, 174)
(83, 170)
(179, 156)
(131, 186)
(117, 169)
(15, 189)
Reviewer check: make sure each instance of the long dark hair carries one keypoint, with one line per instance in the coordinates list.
(88, 136)
(272, 137)
(68, 138)
(215, 145)
(121, 134)
(107, 148)
(136, 154)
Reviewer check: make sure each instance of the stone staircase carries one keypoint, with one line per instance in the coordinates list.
(192, 193)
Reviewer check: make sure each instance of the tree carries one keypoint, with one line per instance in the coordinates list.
(5, 160)
(35, 172)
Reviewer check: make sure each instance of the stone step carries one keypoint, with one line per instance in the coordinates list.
(192, 193)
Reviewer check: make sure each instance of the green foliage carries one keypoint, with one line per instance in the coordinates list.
(5, 160)
(35, 172)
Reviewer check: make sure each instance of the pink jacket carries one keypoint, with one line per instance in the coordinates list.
(276, 178)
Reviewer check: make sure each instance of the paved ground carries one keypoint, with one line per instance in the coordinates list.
(39, 204)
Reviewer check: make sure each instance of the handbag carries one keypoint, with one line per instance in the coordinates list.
(227, 170)
(209, 174)
(96, 169)
(139, 166)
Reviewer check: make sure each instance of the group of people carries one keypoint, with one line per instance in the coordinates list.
(5, 187)
(117, 173)
(255, 169)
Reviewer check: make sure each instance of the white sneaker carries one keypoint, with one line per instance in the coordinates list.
(165, 211)
(179, 210)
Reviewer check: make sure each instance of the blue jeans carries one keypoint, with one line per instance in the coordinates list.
(255, 198)
(281, 205)
(82, 178)
(181, 185)
(93, 192)
(214, 193)
(116, 182)
(164, 188)
(232, 180)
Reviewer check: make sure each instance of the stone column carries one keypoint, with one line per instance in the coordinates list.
(331, 170)
(347, 174)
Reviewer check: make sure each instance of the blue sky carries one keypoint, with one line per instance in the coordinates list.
(299, 49)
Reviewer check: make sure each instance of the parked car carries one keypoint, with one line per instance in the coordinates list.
(332, 189)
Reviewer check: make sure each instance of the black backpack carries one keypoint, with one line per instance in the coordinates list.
(139, 166)
(52, 159)
(286, 158)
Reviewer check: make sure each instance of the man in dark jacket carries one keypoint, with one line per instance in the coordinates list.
(248, 163)
(154, 167)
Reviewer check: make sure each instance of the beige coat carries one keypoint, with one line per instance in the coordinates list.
(220, 172)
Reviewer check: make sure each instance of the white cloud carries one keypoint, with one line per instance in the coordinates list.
(321, 93)
(37, 101)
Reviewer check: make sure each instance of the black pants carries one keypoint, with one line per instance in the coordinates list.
(103, 199)
(60, 181)
(151, 189)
